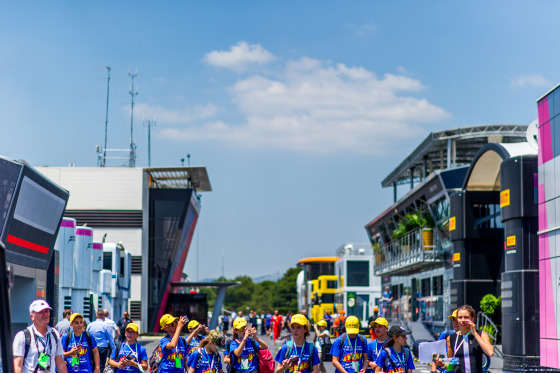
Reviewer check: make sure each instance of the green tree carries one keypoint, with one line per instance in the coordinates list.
(258, 296)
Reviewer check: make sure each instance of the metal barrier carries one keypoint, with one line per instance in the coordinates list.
(409, 250)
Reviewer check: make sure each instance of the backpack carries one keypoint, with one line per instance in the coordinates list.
(388, 350)
(155, 358)
(27, 335)
(266, 361)
(341, 328)
(231, 369)
(88, 339)
(290, 345)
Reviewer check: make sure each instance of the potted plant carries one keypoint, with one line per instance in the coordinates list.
(378, 252)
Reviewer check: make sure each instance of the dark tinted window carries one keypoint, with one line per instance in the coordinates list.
(108, 261)
(357, 274)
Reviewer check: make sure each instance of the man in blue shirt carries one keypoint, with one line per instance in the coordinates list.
(99, 330)
(386, 299)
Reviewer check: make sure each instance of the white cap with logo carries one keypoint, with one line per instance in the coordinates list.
(38, 306)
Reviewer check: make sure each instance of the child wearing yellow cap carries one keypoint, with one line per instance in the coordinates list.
(80, 349)
(130, 357)
(244, 347)
(197, 333)
(380, 326)
(349, 350)
(322, 337)
(298, 355)
(173, 351)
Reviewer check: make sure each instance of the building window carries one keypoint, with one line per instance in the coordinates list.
(487, 216)
(136, 310)
(136, 265)
(108, 261)
(357, 274)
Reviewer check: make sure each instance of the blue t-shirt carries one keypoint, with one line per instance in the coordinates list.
(444, 334)
(402, 362)
(268, 319)
(209, 363)
(373, 349)
(84, 355)
(304, 364)
(167, 356)
(350, 352)
(387, 295)
(248, 361)
(193, 345)
(134, 352)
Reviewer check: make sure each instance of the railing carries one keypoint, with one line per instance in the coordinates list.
(411, 249)
(484, 323)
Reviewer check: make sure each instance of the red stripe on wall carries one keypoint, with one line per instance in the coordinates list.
(25, 244)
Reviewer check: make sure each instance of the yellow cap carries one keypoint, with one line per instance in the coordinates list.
(132, 326)
(322, 323)
(193, 324)
(380, 321)
(239, 323)
(74, 316)
(166, 320)
(454, 314)
(299, 319)
(352, 325)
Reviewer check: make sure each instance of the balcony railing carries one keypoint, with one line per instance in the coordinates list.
(417, 249)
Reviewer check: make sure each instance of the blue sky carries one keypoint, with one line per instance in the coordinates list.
(297, 109)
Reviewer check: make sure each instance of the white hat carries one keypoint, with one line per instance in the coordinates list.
(38, 306)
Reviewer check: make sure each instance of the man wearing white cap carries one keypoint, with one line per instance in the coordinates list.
(38, 348)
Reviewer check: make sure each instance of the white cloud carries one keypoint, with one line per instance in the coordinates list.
(320, 107)
(365, 30)
(536, 80)
(240, 56)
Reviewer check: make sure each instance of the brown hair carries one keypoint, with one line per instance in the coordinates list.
(469, 309)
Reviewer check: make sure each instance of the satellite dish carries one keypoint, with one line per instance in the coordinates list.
(531, 134)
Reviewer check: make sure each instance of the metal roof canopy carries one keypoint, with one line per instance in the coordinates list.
(180, 177)
(451, 148)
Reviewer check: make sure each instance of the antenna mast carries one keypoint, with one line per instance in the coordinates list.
(133, 92)
(106, 117)
(149, 125)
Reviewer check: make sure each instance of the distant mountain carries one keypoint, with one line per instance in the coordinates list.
(269, 277)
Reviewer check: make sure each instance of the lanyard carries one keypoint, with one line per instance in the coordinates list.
(402, 360)
(355, 345)
(299, 355)
(135, 351)
(210, 360)
(455, 348)
(45, 344)
(74, 339)
(378, 348)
